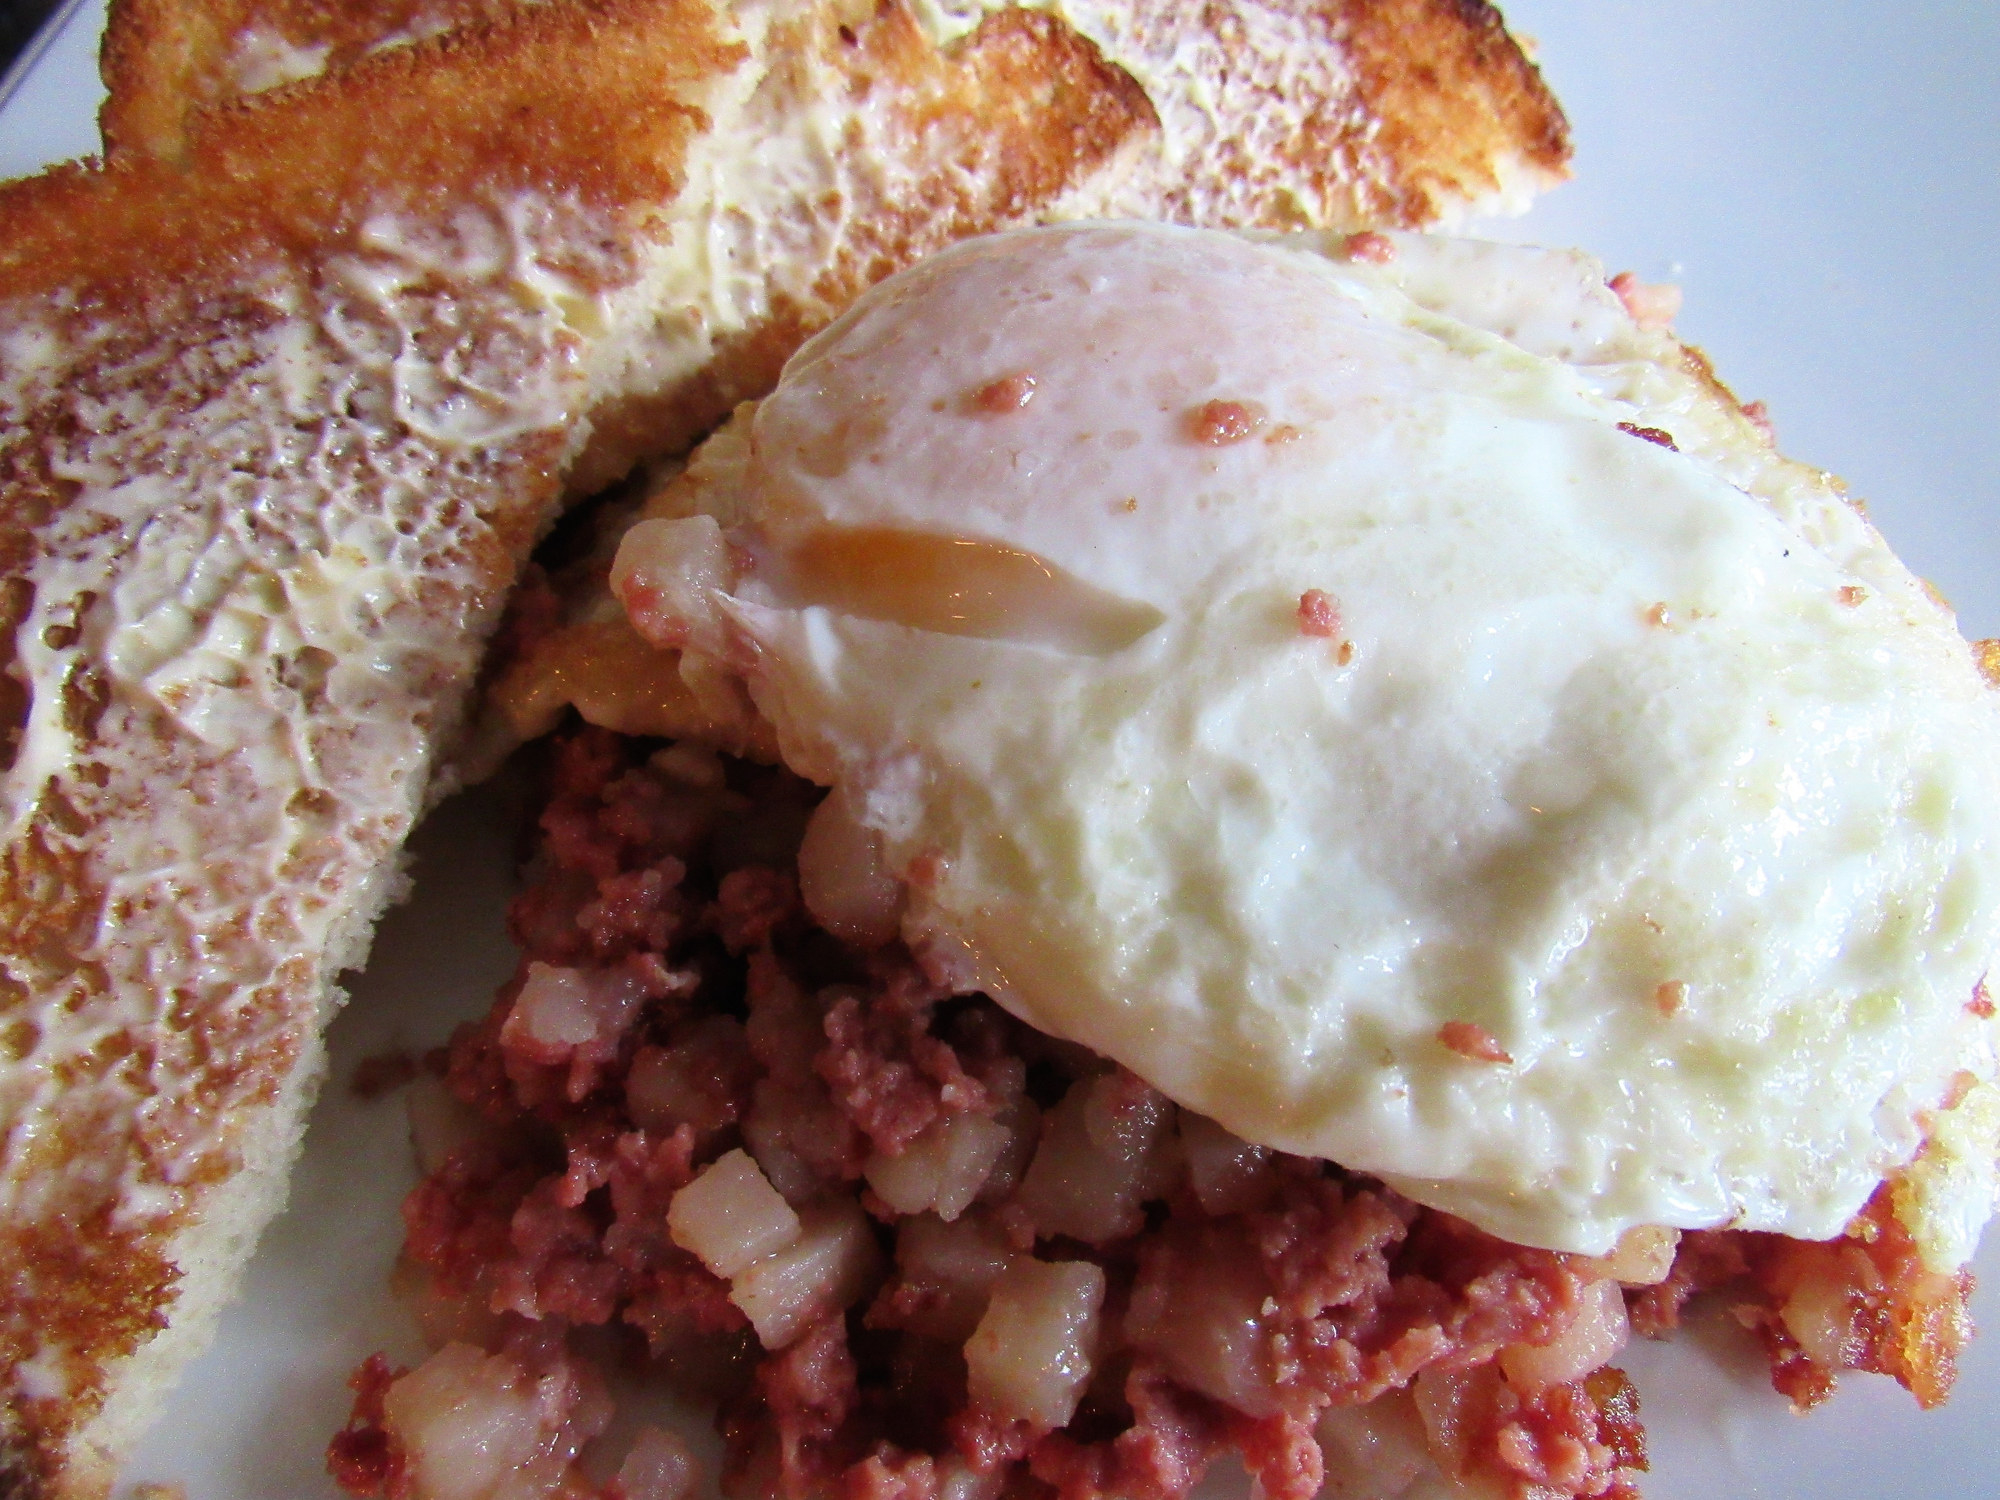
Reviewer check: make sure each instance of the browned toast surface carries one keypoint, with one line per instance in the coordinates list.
(563, 102)
(1344, 113)
(1454, 95)
(161, 58)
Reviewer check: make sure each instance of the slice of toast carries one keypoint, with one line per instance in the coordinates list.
(273, 437)
(282, 410)
(1332, 113)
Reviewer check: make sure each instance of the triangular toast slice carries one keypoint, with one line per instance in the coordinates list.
(282, 410)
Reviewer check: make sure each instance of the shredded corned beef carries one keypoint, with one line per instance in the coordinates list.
(676, 1003)
(1861, 1302)
(361, 1458)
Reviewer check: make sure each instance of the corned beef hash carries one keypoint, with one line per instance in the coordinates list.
(1348, 835)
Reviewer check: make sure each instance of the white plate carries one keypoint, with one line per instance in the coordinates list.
(50, 93)
(1825, 182)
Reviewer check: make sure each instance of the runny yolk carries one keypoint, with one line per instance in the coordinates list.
(960, 586)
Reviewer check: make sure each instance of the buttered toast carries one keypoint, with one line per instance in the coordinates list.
(273, 443)
(285, 400)
(1333, 112)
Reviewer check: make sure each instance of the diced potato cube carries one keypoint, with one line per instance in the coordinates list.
(731, 1216)
(1457, 1407)
(958, 1480)
(943, 1169)
(1227, 1173)
(844, 880)
(1032, 1354)
(954, 1267)
(658, 1466)
(1643, 1256)
(1819, 1312)
(1201, 1315)
(1124, 1115)
(470, 1425)
(1374, 1452)
(1598, 1331)
(1098, 1160)
(830, 1266)
(690, 1082)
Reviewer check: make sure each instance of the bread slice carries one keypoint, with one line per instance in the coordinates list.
(1328, 112)
(282, 409)
(273, 438)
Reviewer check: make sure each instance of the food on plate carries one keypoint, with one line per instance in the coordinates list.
(1335, 861)
(163, 61)
(911, 1245)
(1411, 113)
(283, 405)
(1403, 112)
(1383, 722)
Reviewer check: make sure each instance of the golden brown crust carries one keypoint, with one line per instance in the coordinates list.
(572, 98)
(1454, 95)
(1339, 113)
(1987, 655)
(159, 58)
(163, 58)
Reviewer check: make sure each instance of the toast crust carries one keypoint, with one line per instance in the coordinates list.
(557, 100)
(1339, 114)
(1331, 114)
(1465, 117)
(160, 57)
